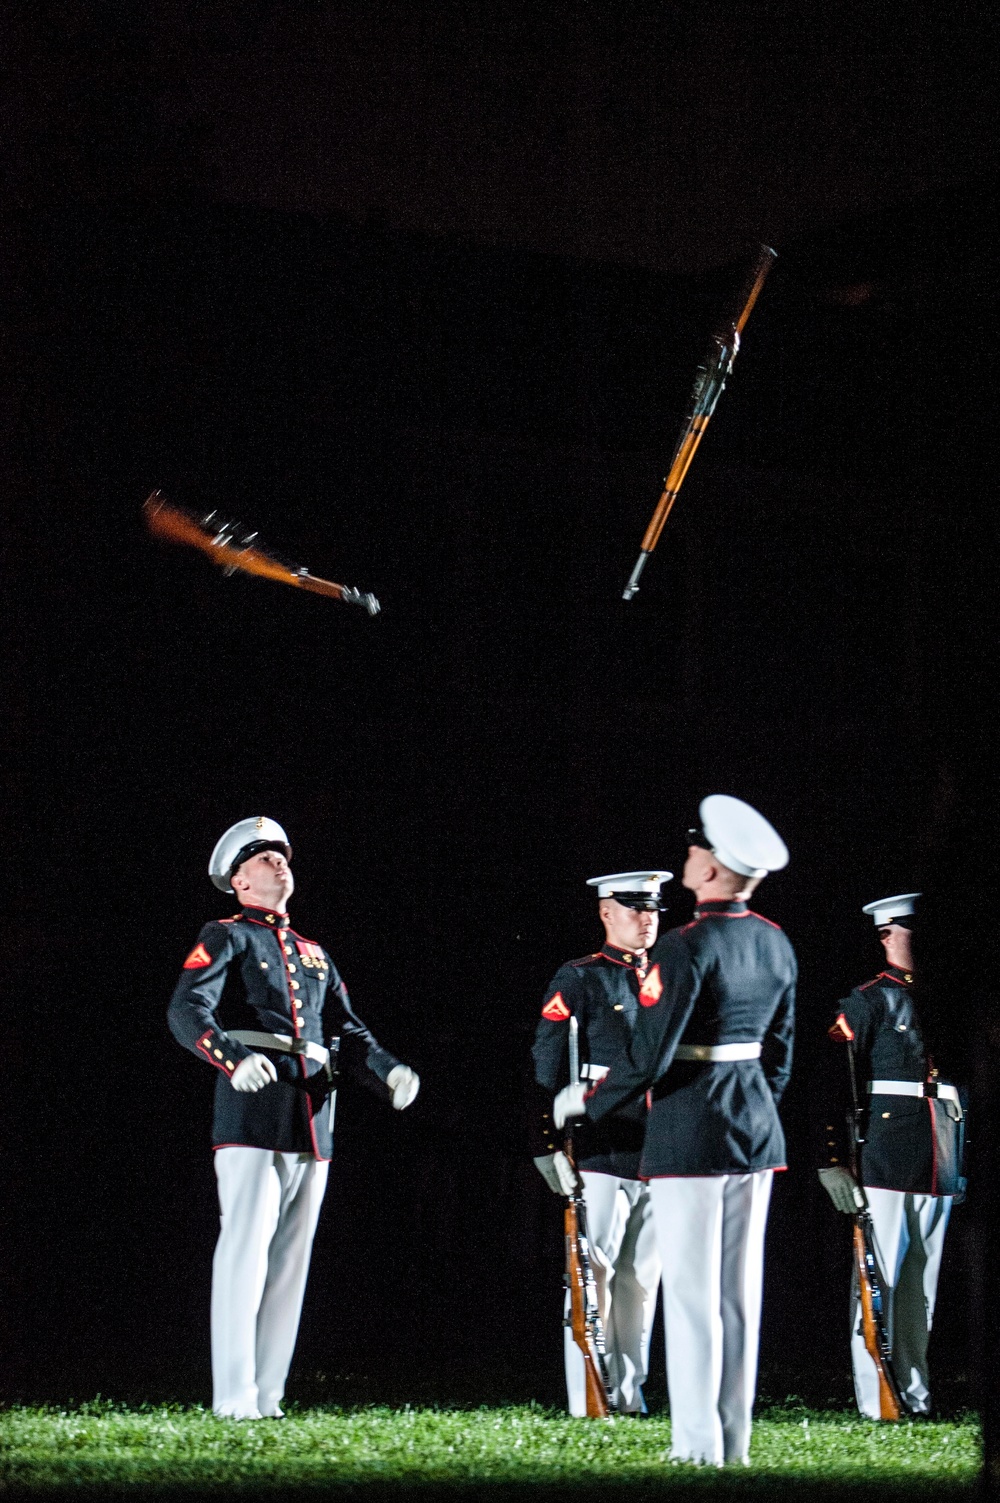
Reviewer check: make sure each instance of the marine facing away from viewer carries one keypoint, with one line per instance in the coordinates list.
(713, 1045)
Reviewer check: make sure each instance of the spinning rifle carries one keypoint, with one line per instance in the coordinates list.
(873, 1322)
(584, 1317)
(225, 544)
(708, 387)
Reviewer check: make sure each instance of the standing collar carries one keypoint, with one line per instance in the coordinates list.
(905, 978)
(271, 918)
(713, 907)
(624, 957)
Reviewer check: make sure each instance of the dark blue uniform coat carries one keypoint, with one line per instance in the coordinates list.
(728, 977)
(255, 972)
(603, 992)
(912, 1143)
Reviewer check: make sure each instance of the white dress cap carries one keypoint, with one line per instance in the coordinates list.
(630, 885)
(245, 832)
(888, 909)
(742, 839)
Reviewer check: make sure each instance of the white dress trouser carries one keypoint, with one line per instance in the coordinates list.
(626, 1268)
(909, 1240)
(269, 1204)
(710, 1232)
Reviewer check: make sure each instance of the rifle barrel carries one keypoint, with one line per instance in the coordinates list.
(708, 387)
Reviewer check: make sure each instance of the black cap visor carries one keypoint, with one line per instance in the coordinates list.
(254, 848)
(642, 902)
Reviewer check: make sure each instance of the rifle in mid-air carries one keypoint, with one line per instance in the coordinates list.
(708, 387)
(583, 1316)
(236, 552)
(873, 1322)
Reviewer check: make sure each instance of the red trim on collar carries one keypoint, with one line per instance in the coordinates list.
(884, 976)
(628, 965)
(713, 913)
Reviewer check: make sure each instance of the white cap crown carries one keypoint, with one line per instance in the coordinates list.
(246, 832)
(887, 910)
(628, 886)
(741, 837)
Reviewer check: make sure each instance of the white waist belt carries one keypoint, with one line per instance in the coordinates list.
(717, 1052)
(593, 1072)
(282, 1042)
(929, 1088)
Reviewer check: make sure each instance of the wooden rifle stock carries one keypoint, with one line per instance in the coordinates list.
(579, 1320)
(708, 387)
(222, 544)
(584, 1316)
(872, 1328)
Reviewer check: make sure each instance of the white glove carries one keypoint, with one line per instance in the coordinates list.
(404, 1084)
(557, 1172)
(253, 1073)
(569, 1103)
(569, 1182)
(842, 1188)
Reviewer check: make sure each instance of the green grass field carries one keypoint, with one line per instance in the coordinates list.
(499, 1451)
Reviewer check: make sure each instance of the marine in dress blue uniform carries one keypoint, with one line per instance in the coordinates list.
(602, 991)
(910, 1158)
(261, 1004)
(713, 1044)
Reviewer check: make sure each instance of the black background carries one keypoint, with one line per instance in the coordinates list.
(478, 435)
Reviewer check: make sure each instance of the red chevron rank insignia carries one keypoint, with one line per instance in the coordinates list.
(841, 1032)
(555, 1009)
(651, 989)
(199, 957)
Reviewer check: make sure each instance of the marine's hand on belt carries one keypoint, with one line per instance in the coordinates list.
(842, 1188)
(253, 1073)
(404, 1084)
(569, 1103)
(558, 1173)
